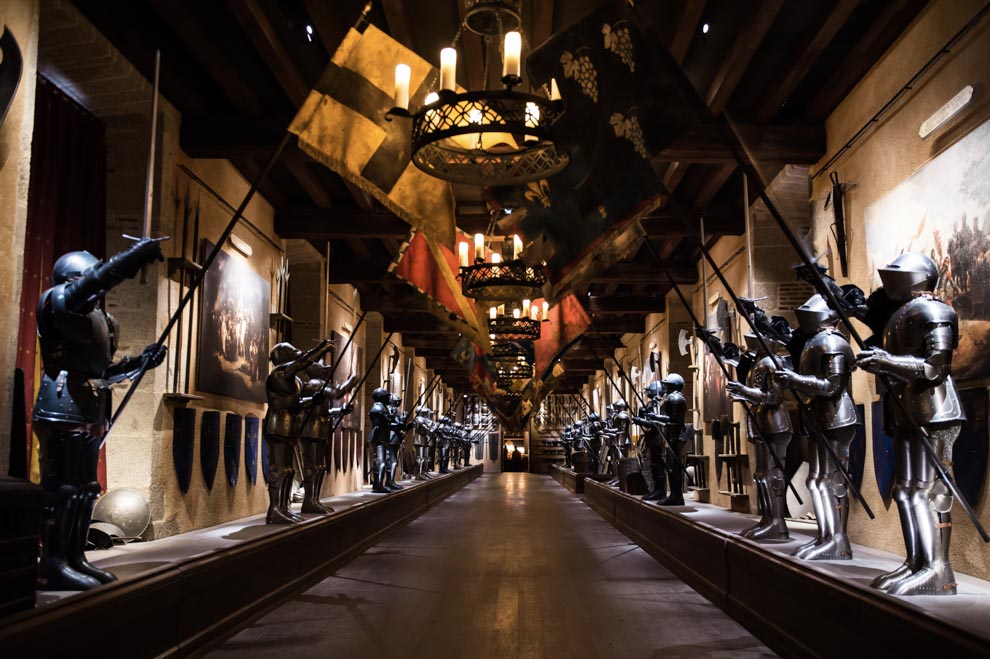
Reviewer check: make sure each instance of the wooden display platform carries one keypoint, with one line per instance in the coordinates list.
(798, 608)
(179, 606)
(573, 480)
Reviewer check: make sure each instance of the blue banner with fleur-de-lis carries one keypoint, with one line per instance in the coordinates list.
(622, 104)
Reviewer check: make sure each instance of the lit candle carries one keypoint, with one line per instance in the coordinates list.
(462, 253)
(525, 304)
(554, 91)
(402, 74)
(493, 313)
(532, 115)
(448, 69)
(516, 247)
(479, 246)
(546, 308)
(513, 46)
(516, 313)
(496, 258)
(501, 310)
(534, 312)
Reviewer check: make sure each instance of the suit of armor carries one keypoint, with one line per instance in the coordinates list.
(382, 427)
(315, 425)
(593, 429)
(823, 383)
(287, 403)
(917, 357)
(72, 411)
(767, 399)
(673, 409)
(565, 437)
(444, 439)
(647, 419)
(396, 439)
(424, 427)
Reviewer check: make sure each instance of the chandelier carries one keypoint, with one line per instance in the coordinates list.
(490, 136)
(491, 277)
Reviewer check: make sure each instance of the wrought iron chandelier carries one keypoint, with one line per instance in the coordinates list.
(487, 137)
(493, 278)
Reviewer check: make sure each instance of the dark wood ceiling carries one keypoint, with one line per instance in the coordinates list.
(238, 69)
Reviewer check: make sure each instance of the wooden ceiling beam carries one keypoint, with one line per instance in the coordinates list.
(711, 187)
(799, 145)
(687, 25)
(205, 48)
(808, 53)
(737, 60)
(326, 19)
(398, 22)
(338, 224)
(310, 183)
(625, 305)
(637, 273)
(263, 35)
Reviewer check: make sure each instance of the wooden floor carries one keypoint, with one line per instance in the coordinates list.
(512, 566)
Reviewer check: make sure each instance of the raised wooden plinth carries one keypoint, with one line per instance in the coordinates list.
(573, 480)
(177, 608)
(796, 609)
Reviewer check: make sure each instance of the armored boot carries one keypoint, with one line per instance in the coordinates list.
(909, 526)
(815, 482)
(935, 576)
(444, 461)
(659, 475)
(762, 499)
(378, 471)
(54, 570)
(390, 467)
(77, 553)
(776, 529)
(676, 496)
(313, 470)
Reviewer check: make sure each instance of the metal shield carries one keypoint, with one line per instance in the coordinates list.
(183, 442)
(883, 455)
(969, 455)
(251, 425)
(209, 446)
(232, 447)
(857, 450)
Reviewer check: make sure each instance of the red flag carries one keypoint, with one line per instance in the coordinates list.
(568, 321)
(430, 267)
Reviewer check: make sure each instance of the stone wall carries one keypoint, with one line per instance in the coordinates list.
(21, 18)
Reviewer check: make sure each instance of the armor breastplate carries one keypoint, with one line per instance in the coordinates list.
(831, 412)
(284, 391)
(82, 344)
(772, 419)
(381, 427)
(674, 408)
(906, 334)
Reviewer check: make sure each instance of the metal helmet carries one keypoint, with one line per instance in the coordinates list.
(654, 389)
(909, 273)
(380, 395)
(621, 405)
(422, 410)
(458, 425)
(578, 424)
(283, 353)
(394, 399)
(126, 509)
(753, 343)
(71, 265)
(815, 314)
(674, 382)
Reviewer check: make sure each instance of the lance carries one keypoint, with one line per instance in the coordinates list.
(731, 138)
(333, 369)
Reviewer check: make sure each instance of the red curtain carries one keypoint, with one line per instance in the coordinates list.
(66, 211)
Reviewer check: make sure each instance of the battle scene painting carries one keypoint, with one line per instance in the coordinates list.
(233, 336)
(943, 211)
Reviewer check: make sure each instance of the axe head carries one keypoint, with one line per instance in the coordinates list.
(683, 342)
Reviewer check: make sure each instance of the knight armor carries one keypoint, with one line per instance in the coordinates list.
(916, 363)
(71, 414)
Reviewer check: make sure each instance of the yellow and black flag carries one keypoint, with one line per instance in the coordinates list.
(342, 124)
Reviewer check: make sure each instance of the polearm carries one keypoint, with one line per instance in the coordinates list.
(732, 141)
(149, 180)
(333, 369)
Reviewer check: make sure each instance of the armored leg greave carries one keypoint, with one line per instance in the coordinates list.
(675, 474)
(830, 497)
(658, 474)
(771, 484)
(931, 502)
(314, 467)
(280, 486)
(903, 472)
(391, 465)
(444, 460)
(378, 469)
(567, 456)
